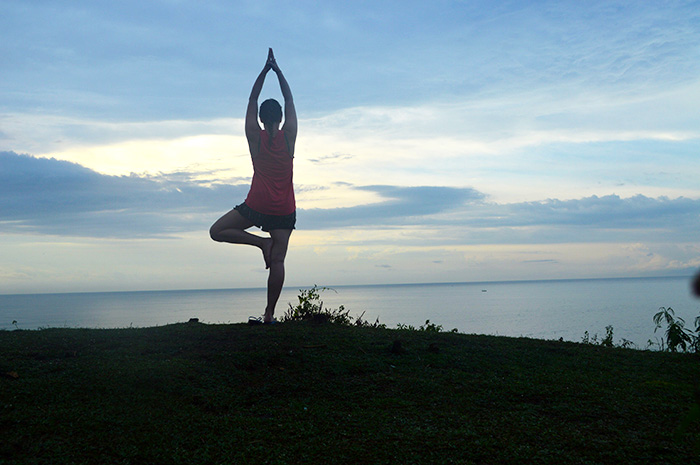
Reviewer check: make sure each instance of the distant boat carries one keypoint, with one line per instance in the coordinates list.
(483, 290)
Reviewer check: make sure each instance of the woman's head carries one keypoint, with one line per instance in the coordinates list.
(270, 111)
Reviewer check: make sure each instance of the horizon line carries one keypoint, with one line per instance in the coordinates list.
(443, 283)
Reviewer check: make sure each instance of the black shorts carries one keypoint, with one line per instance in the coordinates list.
(267, 222)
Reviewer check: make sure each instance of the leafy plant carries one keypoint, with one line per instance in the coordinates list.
(310, 307)
(607, 341)
(366, 324)
(431, 327)
(677, 336)
(587, 339)
(428, 327)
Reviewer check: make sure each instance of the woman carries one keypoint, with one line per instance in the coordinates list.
(270, 202)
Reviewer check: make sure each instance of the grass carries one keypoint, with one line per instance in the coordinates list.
(299, 393)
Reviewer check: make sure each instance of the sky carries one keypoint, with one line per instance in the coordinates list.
(443, 141)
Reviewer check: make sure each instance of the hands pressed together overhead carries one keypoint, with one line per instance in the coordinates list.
(271, 62)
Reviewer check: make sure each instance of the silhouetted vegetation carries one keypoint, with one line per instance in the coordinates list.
(677, 336)
(301, 392)
(310, 308)
(342, 392)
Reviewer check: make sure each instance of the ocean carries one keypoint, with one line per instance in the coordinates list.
(565, 309)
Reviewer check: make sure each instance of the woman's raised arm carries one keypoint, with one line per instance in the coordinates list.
(290, 114)
(252, 128)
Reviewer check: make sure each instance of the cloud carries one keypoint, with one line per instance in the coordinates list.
(152, 58)
(403, 206)
(609, 211)
(48, 196)
(549, 220)
(335, 157)
(56, 197)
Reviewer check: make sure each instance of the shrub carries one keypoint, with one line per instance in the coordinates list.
(310, 307)
(428, 327)
(677, 336)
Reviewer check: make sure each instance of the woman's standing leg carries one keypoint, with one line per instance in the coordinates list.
(280, 243)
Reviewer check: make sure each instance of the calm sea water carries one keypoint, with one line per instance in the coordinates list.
(537, 309)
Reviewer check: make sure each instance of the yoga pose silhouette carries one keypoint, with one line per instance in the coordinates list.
(270, 203)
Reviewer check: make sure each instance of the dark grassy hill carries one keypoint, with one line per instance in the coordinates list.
(307, 393)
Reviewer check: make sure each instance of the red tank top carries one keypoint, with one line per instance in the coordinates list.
(272, 191)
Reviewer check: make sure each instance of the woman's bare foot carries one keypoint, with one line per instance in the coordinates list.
(267, 251)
